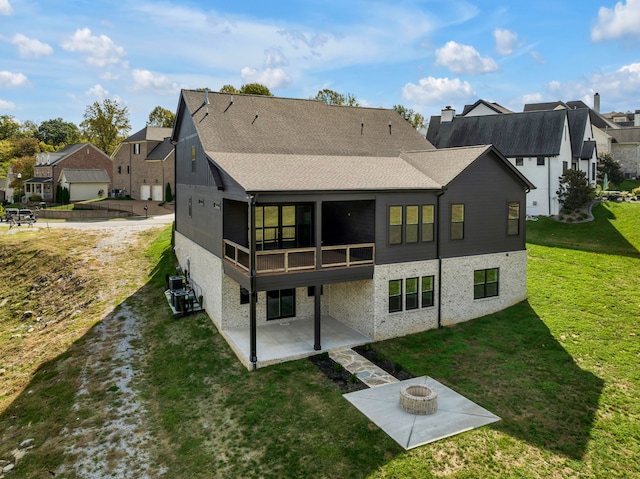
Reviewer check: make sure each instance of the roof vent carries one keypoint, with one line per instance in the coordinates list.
(206, 97)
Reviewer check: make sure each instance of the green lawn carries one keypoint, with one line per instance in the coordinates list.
(560, 369)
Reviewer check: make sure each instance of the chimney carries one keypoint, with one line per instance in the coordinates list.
(596, 102)
(447, 115)
(636, 118)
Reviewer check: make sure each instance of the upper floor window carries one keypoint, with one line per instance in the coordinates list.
(136, 148)
(428, 219)
(565, 166)
(128, 169)
(541, 161)
(485, 283)
(193, 159)
(513, 218)
(119, 169)
(519, 161)
(395, 224)
(457, 221)
(411, 225)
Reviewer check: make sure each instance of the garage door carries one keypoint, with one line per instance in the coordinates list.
(145, 192)
(156, 192)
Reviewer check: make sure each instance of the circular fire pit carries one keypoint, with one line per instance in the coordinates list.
(418, 399)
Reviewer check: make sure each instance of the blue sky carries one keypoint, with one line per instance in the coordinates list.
(58, 57)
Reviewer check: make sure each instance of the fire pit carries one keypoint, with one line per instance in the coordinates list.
(418, 399)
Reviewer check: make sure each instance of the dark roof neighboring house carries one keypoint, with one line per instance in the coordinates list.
(149, 133)
(537, 133)
(161, 151)
(271, 125)
(85, 176)
(597, 119)
(491, 105)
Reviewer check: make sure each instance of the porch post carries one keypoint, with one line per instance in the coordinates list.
(318, 288)
(253, 357)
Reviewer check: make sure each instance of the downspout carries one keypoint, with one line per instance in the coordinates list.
(548, 160)
(253, 294)
(437, 236)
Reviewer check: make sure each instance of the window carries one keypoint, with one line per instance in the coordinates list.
(119, 170)
(283, 226)
(411, 297)
(565, 166)
(457, 222)
(395, 224)
(574, 165)
(519, 161)
(593, 172)
(541, 161)
(193, 159)
(190, 207)
(411, 226)
(485, 283)
(244, 296)
(428, 218)
(136, 148)
(395, 295)
(513, 218)
(427, 291)
(128, 169)
(281, 304)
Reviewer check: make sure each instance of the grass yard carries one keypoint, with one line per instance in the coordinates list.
(561, 370)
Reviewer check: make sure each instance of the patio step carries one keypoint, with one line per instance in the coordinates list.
(365, 370)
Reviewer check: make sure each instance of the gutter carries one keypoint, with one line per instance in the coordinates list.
(437, 236)
(253, 294)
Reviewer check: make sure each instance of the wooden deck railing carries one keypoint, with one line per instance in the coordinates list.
(300, 259)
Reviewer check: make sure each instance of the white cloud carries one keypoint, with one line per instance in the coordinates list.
(505, 41)
(98, 91)
(269, 77)
(7, 105)
(437, 91)
(10, 79)
(5, 8)
(100, 51)
(30, 47)
(621, 21)
(538, 57)
(464, 59)
(554, 85)
(274, 58)
(532, 98)
(146, 80)
(110, 76)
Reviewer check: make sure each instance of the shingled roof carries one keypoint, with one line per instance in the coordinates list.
(161, 151)
(626, 135)
(271, 125)
(149, 133)
(85, 176)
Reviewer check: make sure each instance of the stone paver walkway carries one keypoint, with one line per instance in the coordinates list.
(365, 370)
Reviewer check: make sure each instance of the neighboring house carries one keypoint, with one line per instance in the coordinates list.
(483, 107)
(540, 144)
(46, 172)
(143, 164)
(625, 148)
(296, 210)
(84, 184)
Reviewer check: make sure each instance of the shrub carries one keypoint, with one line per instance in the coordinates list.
(168, 196)
(574, 191)
(337, 367)
(36, 198)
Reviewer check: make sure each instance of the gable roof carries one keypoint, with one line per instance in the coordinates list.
(625, 135)
(272, 125)
(85, 176)
(597, 120)
(149, 133)
(161, 151)
(53, 158)
(537, 133)
(491, 105)
(578, 121)
(446, 164)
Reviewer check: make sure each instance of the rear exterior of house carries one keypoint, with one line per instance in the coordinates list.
(291, 209)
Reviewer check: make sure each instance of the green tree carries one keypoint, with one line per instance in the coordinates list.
(612, 168)
(161, 117)
(414, 118)
(331, 97)
(574, 191)
(9, 128)
(57, 132)
(229, 89)
(106, 124)
(255, 89)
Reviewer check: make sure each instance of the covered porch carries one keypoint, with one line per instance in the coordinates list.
(286, 341)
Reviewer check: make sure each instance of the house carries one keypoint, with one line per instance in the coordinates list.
(294, 211)
(143, 164)
(48, 168)
(84, 184)
(625, 148)
(540, 144)
(483, 107)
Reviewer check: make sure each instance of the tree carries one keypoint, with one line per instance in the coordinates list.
(9, 128)
(161, 117)
(229, 89)
(57, 132)
(106, 124)
(331, 97)
(574, 191)
(607, 165)
(414, 118)
(255, 89)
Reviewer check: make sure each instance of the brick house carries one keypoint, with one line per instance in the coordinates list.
(143, 164)
(49, 166)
